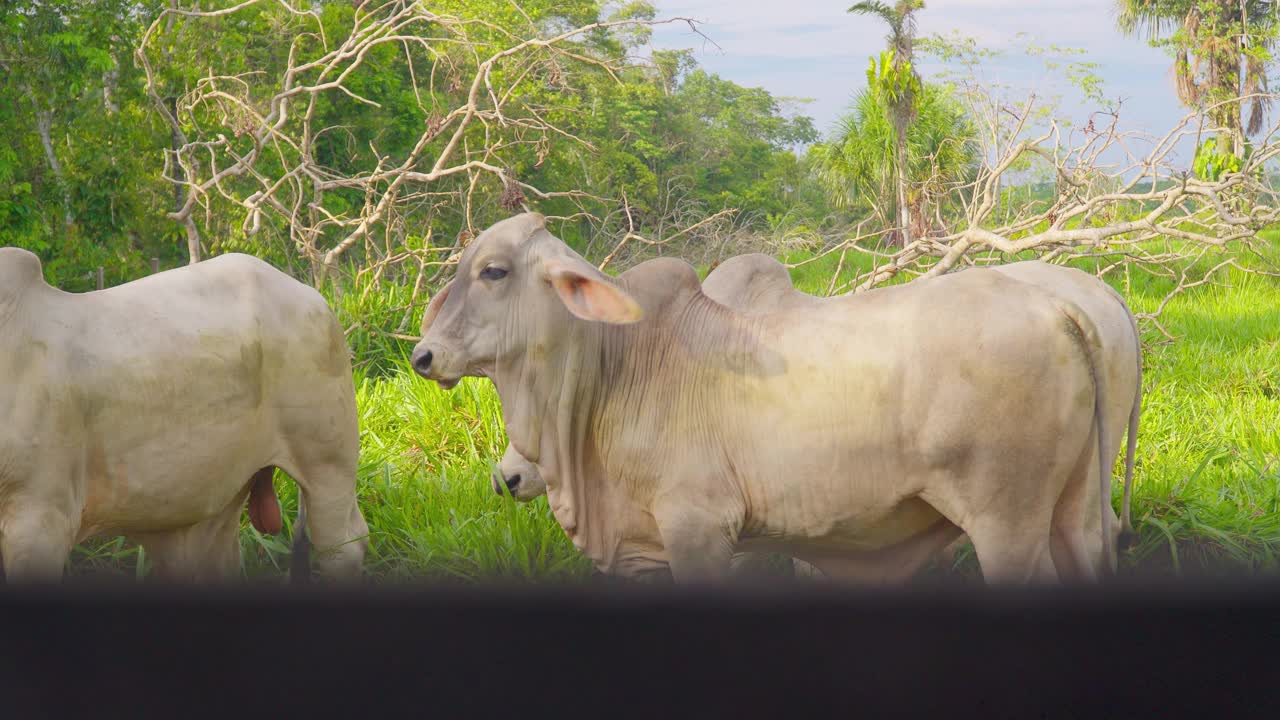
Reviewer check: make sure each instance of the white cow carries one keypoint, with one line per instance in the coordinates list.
(858, 436)
(1121, 371)
(758, 283)
(155, 409)
(750, 283)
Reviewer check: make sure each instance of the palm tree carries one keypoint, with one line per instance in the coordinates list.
(855, 165)
(1220, 52)
(899, 84)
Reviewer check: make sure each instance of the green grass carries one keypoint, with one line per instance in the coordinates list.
(1207, 487)
(1207, 482)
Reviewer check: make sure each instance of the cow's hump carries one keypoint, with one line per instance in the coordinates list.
(742, 279)
(19, 270)
(660, 279)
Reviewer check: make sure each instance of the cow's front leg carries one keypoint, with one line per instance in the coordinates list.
(750, 565)
(35, 540)
(699, 541)
(206, 553)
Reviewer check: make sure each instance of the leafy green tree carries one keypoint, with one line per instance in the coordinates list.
(1221, 50)
(856, 165)
(895, 80)
(75, 182)
(85, 181)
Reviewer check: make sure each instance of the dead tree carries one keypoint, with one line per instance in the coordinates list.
(1143, 213)
(254, 146)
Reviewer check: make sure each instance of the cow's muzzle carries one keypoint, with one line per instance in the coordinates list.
(421, 361)
(499, 481)
(424, 362)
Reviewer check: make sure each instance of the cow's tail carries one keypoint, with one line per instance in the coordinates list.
(300, 558)
(1091, 342)
(1127, 533)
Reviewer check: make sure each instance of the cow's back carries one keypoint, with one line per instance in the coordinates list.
(905, 385)
(227, 332)
(1099, 300)
(182, 384)
(1108, 311)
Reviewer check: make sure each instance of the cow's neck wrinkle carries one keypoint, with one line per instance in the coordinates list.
(13, 291)
(548, 401)
(601, 377)
(8, 309)
(21, 299)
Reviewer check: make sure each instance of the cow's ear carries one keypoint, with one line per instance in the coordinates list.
(588, 294)
(433, 307)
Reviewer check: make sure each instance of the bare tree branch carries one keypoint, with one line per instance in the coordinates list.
(261, 153)
(1143, 213)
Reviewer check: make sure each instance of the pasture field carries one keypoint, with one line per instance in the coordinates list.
(1207, 479)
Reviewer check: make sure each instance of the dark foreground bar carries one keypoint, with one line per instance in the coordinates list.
(624, 651)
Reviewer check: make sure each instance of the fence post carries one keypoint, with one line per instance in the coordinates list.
(101, 283)
(155, 265)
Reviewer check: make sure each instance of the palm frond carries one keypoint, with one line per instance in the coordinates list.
(874, 7)
(1256, 82)
(1155, 18)
(1185, 70)
(889, 15)
(857, 160)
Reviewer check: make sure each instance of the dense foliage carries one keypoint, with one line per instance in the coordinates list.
(80, 161)
(88, 179)
(856, 165)
(82, 164)
(1221, 51)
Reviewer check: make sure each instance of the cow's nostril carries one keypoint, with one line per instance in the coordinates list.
(513, 482)
(422, 363)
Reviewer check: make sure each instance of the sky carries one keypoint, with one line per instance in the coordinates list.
(815, 49)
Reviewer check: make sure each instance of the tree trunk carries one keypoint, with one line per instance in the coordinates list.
(904, 212)
(1229, 114)
(110, 81)
(175, 142)
(193, 241)
(1235, 121)
(44, 124)
(179, 192)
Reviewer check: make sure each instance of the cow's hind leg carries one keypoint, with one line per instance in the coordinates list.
(1016, 554)
(335, 525)
(1011, 523)
(699, 541)
(1011, 537)
(1088, 527)
(1070, 550)
(1006, 499)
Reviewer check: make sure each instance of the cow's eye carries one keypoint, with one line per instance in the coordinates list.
(492, 272)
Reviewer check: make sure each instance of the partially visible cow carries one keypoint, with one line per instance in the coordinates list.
(1121, 371)
(518, 476)
(753, 282)
(750, 283)
(524, 482)
(757, 282)
(157, 408)
(859, 436)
